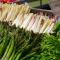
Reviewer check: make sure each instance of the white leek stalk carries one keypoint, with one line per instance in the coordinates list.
(27, 21)
(48, 27)
(10, 14)
(39, 24)
(31, 23)
(51, 27)
(35, 24)
(44, 26)
(18, 21)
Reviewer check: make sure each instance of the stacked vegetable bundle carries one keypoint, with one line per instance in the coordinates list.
(18, 44)
(20, 16)
(34, 22)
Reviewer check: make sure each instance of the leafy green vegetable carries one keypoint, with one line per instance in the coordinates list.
(50, 46)
(3, 45)
(57, 27)
(16, 43)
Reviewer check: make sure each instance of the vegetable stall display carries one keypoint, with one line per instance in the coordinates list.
(27, 36)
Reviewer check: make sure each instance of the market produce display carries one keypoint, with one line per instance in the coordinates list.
(25, 35)
(18, 44)
(28, 36)
(20, 16)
